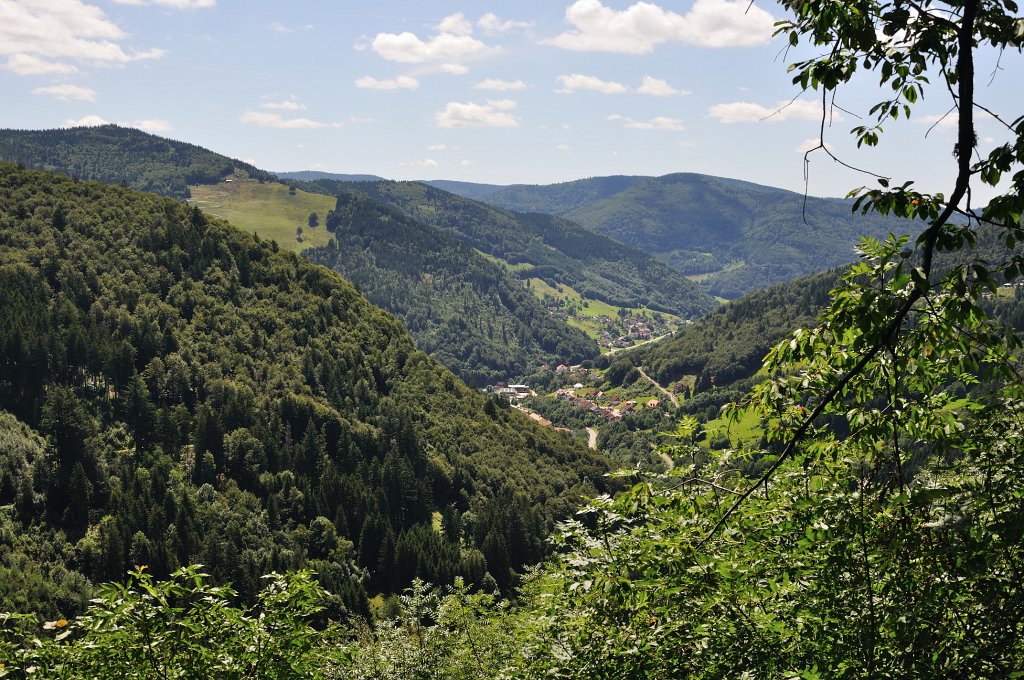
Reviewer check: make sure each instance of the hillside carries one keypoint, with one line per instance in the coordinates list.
(118, 155)
(313, 175)
(548, 248)
(468, 312)
(730, 235)
(207, 397)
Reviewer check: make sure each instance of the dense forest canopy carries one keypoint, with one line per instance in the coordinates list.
(116, 155)
(472, 315)
(556, 250)
(175, 391)
(736, 235)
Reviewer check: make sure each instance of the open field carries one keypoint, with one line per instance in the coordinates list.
(268, 210)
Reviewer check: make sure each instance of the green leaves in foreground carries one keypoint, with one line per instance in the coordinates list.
(178, 628)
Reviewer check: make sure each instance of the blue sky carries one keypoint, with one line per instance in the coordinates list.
(497, 92)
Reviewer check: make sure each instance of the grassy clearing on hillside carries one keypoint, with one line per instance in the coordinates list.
(268, 210)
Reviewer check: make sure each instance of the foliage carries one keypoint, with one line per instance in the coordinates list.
(730, 343)
(206, 397)
(558, 251)
(117, 155)
(738, 236)
(466, 311)
(882, 536)
(181, 627)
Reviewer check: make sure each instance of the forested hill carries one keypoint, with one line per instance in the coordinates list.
(465, 310)
(544, 247)
(205, 397)
(313, 175)
(737, 236)
(730, 343)
(119, 155)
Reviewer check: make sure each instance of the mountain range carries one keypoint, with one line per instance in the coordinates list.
(730, 235)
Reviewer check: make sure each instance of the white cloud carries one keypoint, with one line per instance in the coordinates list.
(490, 23)
(455, 24)
(390, 85)
(68, 92)
(27, 65)
(811, 143)
(276, 120)
(174, 4)
(563, 147)
(658, 88)
(454, 69)
(467, 162)
(575, 82)
(748, 112)
(88, 121)
(286, 105)
(155, 126)
(948, 122)
(426, 163)
(278, 27)
(501, 85)
(644, 25)
(436, 147)
(408, 48)
(43, 36)
(656, 123)
(490, 114)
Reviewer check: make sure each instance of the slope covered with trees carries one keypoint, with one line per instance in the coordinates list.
(737, 236)
(177, 391)
(117, 155)
(465, 310)
(552, 249)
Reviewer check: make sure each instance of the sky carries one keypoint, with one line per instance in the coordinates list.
(529, 92)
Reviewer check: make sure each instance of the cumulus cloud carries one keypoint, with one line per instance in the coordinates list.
(501, 85)
(173, 4)
(490, 23)
(656, 123)
(643, 26)
(456, 24)
(68, 92)
(811, 143)
(388, 85)
(658, 88)
(493, 113)
(748, 112)
(91, 120)
(155, 126)
(575, 82)
(277, 121)
(563, 147)
(437, 147)
(453, 44)
(40, 37)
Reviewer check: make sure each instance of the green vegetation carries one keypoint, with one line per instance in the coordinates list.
(268, 209)
(178, 391)
(463, 309)
(117, 155)
(561, 252)
(729, 235)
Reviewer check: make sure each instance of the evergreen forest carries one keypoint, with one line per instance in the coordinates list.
(218, 459)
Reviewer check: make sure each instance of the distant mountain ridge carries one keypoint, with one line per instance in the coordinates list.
(119, 155)
(313, 175)
(544, 246)
(732, 235)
